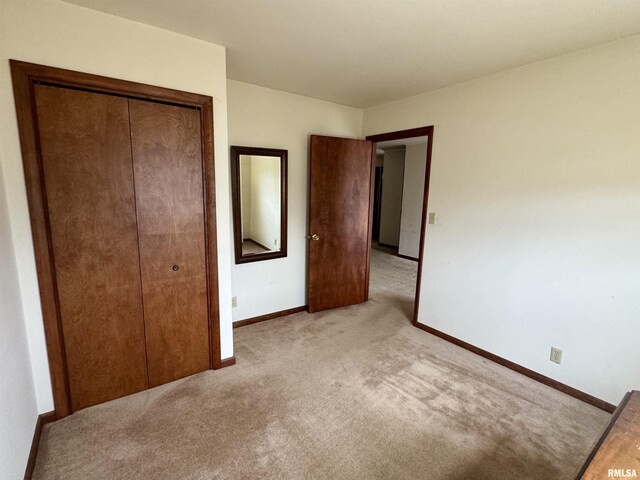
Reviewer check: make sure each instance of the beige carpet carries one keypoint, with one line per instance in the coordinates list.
(356, 393)
(249, 247)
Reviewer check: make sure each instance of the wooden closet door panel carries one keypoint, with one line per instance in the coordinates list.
(88, 178)
(167, 158)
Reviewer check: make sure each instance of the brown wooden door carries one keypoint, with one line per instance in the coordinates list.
(167, 158)
(88, 183)
(340, 197)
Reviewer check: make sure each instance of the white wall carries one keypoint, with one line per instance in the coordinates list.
(265, 201)
(261, 117)
(415, 163)
(536, 180)
(18, 409)
(63, 35)
(245, 194)
(391, 196)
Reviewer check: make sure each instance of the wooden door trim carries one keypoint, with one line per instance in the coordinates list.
(401, 134)
(372, 189)
(24, 75)
(269, 316)
(41, 421)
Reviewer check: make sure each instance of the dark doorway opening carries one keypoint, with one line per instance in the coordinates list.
(377, 203)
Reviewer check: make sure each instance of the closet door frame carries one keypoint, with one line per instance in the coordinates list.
(24, 76)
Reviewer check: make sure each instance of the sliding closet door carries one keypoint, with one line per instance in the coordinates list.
(167, 158)
(88, 184)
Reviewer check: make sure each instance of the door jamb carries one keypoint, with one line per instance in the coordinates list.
(24, 75)
(399, 135)
(372, 187)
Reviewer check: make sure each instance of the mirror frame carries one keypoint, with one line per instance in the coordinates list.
(236, 193)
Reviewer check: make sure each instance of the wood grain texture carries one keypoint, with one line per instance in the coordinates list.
(211, 235)
(168, 171)
(24, 77)
(399, 134)
(340, 196)
(86, 161)
(619, 446)
(573, 392)
(30, 147)
(98, 83)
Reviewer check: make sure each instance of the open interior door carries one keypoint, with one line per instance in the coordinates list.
(340, 198)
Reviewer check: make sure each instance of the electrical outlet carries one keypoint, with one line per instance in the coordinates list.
(556, 355)
(234, 302)
(432, 218)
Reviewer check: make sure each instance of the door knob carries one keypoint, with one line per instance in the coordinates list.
(314, 237)
(175, 268)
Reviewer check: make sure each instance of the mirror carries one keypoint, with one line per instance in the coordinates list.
(259, 189)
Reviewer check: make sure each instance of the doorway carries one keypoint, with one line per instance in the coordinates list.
(399, 210)
(342, 189)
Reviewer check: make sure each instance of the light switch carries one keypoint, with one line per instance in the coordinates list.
(432, 218)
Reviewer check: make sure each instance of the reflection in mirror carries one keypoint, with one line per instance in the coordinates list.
(259, 203)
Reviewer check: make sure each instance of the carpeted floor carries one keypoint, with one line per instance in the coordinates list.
(356, 393)
(249, 247)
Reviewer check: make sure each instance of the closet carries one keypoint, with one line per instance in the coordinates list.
(123, 196)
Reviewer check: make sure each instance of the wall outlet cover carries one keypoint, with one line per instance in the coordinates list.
(556, 355)
(234, 302)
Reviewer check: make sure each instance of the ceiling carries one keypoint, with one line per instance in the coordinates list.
(363, 53)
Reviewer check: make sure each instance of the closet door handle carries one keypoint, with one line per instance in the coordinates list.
(175, 268)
